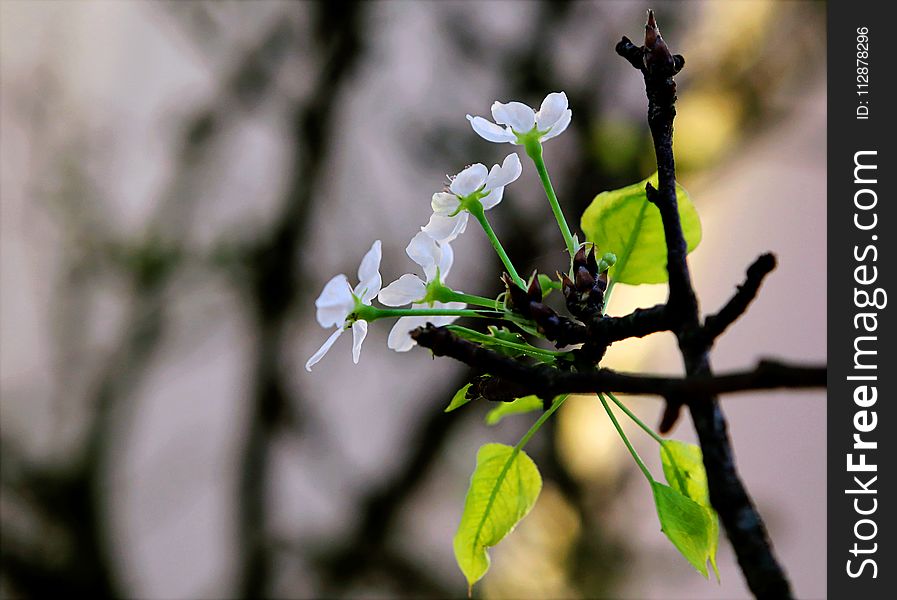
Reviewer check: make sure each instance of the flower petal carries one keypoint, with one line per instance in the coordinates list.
(335, 302)
(507, 172)
(359, 332)
(445, 320)
(400, 335)
(400, 338)
(469, 180)
(445, 261)
(551, 111)
(423, 250)
(444, 203)
(492, 200)
(317, 356)
(519, 116)
(559, 127)
(369, 280)
(490, 131)
(404, 290)
(445, 229)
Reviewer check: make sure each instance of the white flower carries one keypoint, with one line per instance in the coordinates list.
(338, 301)
(436, 261)
(516, 119)
(400, 338)
(449, 219)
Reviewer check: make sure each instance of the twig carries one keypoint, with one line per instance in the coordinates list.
(715, 325)
(745, 529)
(548, 382)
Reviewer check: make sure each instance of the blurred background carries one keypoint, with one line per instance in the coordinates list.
(179, 180)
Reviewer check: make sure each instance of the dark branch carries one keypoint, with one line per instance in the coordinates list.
(639, 323)
(744, 527)
(715, 325)
(548, 382)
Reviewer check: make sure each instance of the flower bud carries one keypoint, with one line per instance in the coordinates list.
(591, 262)
(584, 280)
(534, 291)
(567, 286)
(580, 259)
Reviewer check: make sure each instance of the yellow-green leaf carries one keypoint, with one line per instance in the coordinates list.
(503, 488)
(459, 399)
(624, 222)
(683, 467)
(686, 523)
(518, 407)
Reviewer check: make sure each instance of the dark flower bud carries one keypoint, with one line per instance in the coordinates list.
(566, 285)
(534, 291)
(592, 262)
(584, 280)
(580, 259)
(518, 299)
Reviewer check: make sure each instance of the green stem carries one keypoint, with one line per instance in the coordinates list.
(372, 313)
(450, 295)
(482, 337)
(638, 421)
(534, 151)
(541, 421)
(607, 293)
(476, 209)
(632, 451)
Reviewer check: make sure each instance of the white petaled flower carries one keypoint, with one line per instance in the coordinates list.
(436, 261)
(449, 219)
(515, 120)
(339, 300)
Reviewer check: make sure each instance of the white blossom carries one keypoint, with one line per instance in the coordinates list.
(516, 119)
(449, 219)
(436, 261)
(338, 300)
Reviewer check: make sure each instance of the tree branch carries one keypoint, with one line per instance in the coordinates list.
(744, 527)
(547, 382)
(715, 325)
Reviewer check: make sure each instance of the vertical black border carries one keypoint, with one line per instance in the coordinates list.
(847, 135)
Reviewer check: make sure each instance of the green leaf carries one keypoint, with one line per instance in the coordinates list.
(624, 222)
(503, 489)
(503, 334)
(686, 523)
(459, 399)
(518, 407)
(683, 467)
(548, 284)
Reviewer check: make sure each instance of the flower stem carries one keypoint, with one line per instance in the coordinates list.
(541, 421)
(632, 451)
(476, 209)
(525, 348)
(449, 295)
(638, 421)
(534, 151)
(607, 293)
(372, 313)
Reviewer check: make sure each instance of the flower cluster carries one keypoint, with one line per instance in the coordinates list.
(473, 191)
